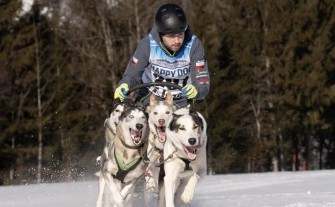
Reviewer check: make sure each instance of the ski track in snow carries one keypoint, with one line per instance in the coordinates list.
(281, 189)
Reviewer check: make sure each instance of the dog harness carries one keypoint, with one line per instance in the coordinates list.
(123, 168)
(187, 164)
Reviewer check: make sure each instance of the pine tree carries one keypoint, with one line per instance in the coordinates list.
(269, 48)
(243, 89)
(301, 76)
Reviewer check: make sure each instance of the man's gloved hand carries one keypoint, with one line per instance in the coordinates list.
(189, 91)
(121, 91)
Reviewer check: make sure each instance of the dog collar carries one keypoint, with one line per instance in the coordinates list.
(131, 147)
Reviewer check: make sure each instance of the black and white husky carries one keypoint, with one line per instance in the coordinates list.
(184, 155)
(123, 161)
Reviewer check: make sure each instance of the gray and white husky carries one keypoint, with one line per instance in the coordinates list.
(159, 112)
(123, 162)
(185, 156)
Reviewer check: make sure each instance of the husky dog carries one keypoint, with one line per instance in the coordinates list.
(110, 125)
(159, 114)
(184, 155)
(125, 164)
(113, 119)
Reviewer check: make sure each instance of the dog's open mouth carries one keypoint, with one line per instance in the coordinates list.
(136, 136)
(191, 152)
(161, 133)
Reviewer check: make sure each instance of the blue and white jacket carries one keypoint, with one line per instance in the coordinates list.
(152, 63)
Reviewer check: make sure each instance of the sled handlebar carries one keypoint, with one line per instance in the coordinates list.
(172, 85)
(144, 85)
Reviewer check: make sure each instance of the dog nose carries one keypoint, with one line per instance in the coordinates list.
(161, 122)
(192, 141)
(139, 126)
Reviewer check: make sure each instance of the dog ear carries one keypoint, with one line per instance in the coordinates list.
(169, 98)
(197, 119)
(116, 102)
(128, 103)
(140, 106)
(193, 112)
(173, 123)
(153, 99)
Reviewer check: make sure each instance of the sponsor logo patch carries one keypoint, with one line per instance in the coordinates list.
(171, 73)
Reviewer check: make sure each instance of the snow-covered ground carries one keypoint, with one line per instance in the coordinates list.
(284, 189)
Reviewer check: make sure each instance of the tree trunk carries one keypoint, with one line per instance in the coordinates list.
(137, 19)
(108, 43)
(321, 146)
(11, 170)
(39, 109)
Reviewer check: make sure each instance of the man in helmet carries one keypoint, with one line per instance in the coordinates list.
(170, 53)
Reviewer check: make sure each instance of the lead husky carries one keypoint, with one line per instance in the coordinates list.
(185, 155)
(159, 114)
(124, 164)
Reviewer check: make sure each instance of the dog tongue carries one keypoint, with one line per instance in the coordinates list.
(191, 153)
(161, 134)
(191, 156)
(136, 136)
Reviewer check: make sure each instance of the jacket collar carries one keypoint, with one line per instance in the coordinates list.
(157, 37)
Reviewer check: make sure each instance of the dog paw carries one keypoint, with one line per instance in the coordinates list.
(150, 185)
(151, 190)
(119, 202)
(187, 196)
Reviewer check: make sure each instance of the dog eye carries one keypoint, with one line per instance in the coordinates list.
(182, 128)
(195, 126)
(117, 110)
(144, 117)
(168, 112)
(155, 113)
(130, 116)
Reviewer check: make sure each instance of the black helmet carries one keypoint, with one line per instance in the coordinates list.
(170, 19)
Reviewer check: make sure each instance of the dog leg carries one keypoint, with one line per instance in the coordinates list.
(172, 170)
(117, 197)
(161, 196)
(152, 180)
(126, 192)
(150, 183)
(102, 184)
(188, 193)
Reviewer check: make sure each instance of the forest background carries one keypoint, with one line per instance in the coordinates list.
(270, 107)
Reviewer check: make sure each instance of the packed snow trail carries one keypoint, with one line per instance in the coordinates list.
(282, 189)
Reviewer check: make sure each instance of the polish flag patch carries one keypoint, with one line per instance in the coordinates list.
(134, 61)
(199, 65)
